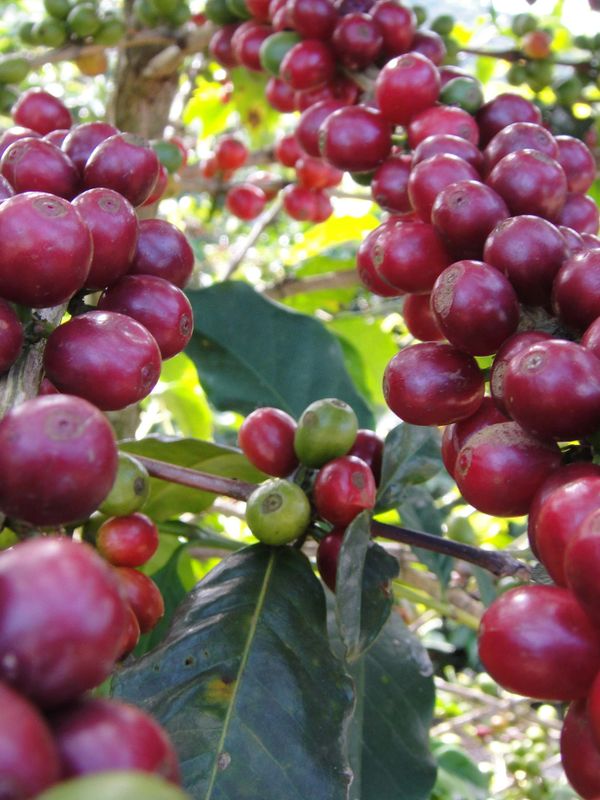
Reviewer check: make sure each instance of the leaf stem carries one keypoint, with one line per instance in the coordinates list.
(496, 562)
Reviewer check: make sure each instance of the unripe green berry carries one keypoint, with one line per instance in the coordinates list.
(442, 24)
(326, 429)
(523, 23)
(277, 512)
(130, 489)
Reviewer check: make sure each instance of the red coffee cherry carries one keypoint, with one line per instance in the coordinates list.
(266, 438)
(245, 201)
(389, 186)
(328, 553)
(313, 19)
(579, 752)
(28, 755)
(158, 305)
(246, 42)
(355, 138)
(6, 189)
(529, 250)
(299, 203)
(220, 47)
(429, 44)
(34, 165)
(11, 336)
(77, 467)
(53, 587)
(420, 319)
(503, 110)
(280, 95)
(582, 561)
(442, 120)
(409, 255)
(578, 163)
(128, 541)
(113, 223)
(554, 649)
(288, 150)
(368, 447)
(80, 358)
(230, 153)
(365, 266)
(552, 389)
(162, 250)
(512, 347)
(581, 213)
(448, 143)
(55, 229)
(519, 136)
(432, 384)
(397, 23)
(81, 140)
(500, 468)
(308, 64)
(430, 176)
(457, 434)
(97, 735)
(475, 306)
(123, 162)
(132, 634)
(406, 86)
(309, 125)
(41, 111)
(343, 488)
(13, 134)
(143, 595)
(340, 88)
(314, 173)
(357, 40)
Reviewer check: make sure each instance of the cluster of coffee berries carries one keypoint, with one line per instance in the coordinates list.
(63, 626)
(337, 463)
(68, 229)
(169, 13)
(77, 22)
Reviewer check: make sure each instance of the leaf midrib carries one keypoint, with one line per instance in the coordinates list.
(245, 655)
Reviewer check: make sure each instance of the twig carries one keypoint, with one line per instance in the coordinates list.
(331, 280)
(260, 223)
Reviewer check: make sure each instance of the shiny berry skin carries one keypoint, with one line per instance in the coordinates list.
(581, 213)
(266, 438)
(280, 95)
(464, 214)
(573, 240)
(246, 42)
(501, 467)
(245, 201)
(553, 390)
(442, 120)
(357, 40)
(326, 429)
(591, 338)
(343, 488)
(554, 649)
(11, 336)
(448, 143)
(511, 347)
(581, 563)
(410, 255)
(123, 162)
(230, 153)
(112, 221)
(127, 541)
(162, 250)
(28, 755)
(6, 189)
(158, 305)
(420, 319)
(406, 86)
(13, 134)
(430, 176)
(82, 139)
(457, 434)
(369, 447)
(432, 384)
(475, 306)
(34, 165)
(328, 553)
(341, 88)
(531, 183)
(397, 23)
(277, 512)
(355, 138)
(308, 64)
(313, 19)
(40, 111)
(519, 136)
(389, 186)
(579, 751)
(99, 735)
(105, 357)
(365, 267)
(578, 163)
(79, 460)
(503, 110)
(54, 229)
(220, 47)
(61, 630)
(143, 595)
(529, 250)
(309, 125)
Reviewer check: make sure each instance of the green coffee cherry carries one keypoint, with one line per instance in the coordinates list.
(464, 93)
(442, 24)
(326, 429)
(13, 69)
(420, 13)
(117, 785)
(277, 512)
(274, 48)
(523, 23)
(59, 9)
(130, 489)
(83, 20)
(110, 32)
(52, 32)
(218, 12)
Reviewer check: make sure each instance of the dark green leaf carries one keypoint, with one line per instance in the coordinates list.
(252, 352)
(458, 776)
(341, 257)
(363, 595)
(169, 500)
(418, 511)
(201, 536)
(411, 455)
(247, 686)
(389, 733)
